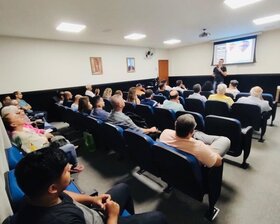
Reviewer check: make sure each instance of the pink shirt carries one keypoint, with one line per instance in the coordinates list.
(197, 148)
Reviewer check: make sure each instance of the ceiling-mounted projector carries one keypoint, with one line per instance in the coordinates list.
(204, 33)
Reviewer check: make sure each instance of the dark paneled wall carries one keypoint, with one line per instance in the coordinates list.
(268, 82)
(42, 100)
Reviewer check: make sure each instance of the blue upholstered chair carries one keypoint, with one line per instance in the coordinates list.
(159, 98)
(13, 155)
(129, 107)
(183, 172)
(116, 140)
(140, 150)
(240, 138)
(165, 118)
(147, 113)
(215, 107)
(250, 115)
(195, 105)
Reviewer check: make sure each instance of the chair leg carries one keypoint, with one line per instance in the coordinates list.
(212, 213)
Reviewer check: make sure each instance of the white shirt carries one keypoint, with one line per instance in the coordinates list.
(263, 104)
(89, 93)
(198, 96)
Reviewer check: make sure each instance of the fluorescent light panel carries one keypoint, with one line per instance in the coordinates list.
(172, 41)
(70, 27)
(268, 19)
(234, 4)
(135, 36)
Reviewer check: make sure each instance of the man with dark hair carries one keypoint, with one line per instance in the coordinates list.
(44, 175)
(173, 103)
(22, 103)
(208, 149)
(180, 86)
(232, 88)
(148, 99)
(97, 111)
(196, 94)
(219, 73)
(162, 90)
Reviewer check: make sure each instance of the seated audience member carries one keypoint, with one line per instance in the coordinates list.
(117, 117)
(232, 88)
(207, 86)
(220, 96)
(119, 92)
(27, 123)
(89, 91)
(140, 90)
(162, 90)
(67, 99)
(22, 103)
(174, 102)
(29, 139)
(107, 93)
(167, 87)
(85, 106)
(132, 96)
(44, 175)
(97, 111)
(97, 92)
(208, 149)
(6, 101)
(148, 99)
(196, 94)
(256, 99)
(75, 104)
(180, 86)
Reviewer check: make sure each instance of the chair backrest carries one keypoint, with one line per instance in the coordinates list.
(129, 107)
(214, 107)
(206, 93)
(140, 150)
(179, 169)
(269, 98)
(195, 105)
(146, 112)
(247, 114)
(228, 127)
(115, 133)
(13, 155)
(182, 100)
(16, 195)
(198, 119)
(230, 95)
(165, 118)
(186, 93)
(241, 94)
(159, 98)
(108, 106)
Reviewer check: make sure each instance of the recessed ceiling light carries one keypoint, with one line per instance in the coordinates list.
(70, 27)
(135, 36)
(268, 19)
(172, 41)
(234, 4)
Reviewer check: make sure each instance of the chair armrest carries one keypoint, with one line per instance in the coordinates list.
(247, 130)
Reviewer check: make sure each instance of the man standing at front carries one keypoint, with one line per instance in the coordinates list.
(219, 72)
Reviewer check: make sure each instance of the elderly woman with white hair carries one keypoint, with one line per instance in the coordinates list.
(255, 98)
(220, 96)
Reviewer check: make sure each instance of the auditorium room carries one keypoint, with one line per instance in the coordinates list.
(148, 112)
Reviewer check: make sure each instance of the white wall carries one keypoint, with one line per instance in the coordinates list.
(196, 59)
(32, 64)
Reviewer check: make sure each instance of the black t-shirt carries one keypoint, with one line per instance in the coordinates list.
(62, 213)
(218, 75)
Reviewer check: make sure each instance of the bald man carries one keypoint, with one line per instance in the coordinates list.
(174, 102)
(255, 98)
(117, 117)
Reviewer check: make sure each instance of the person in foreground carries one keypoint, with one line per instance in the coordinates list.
(208, 149)
(44, 175)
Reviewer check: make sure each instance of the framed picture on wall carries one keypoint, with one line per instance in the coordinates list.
(130, 64)
(96, 65)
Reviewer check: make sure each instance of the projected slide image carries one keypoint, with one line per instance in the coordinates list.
(235, 51)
